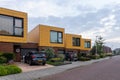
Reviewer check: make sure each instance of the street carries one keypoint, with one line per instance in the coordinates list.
(104, 70)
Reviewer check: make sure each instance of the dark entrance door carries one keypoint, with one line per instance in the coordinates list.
(17, 52)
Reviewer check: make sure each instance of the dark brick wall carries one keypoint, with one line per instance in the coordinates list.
(72, 50)
(29, 45)
(9, 47)
(56, 49)
(6, 47)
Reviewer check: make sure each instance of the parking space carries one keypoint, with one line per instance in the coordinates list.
(26, 67)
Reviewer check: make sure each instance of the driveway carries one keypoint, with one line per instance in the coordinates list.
(25, 67)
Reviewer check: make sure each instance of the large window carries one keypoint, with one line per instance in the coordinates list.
(56, 37)
(11, 26)
(87, 44)
(76, 41)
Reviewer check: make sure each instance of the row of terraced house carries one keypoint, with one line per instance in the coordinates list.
(14, 36)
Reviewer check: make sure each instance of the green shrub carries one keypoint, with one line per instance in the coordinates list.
(12, 69)
(2, 60)
(9, 69)
(1, 53)
(95, 56)
(3, 71)
(83, 58)
(55, 59)
(55, 63)
(49, 53)
(102, 55)
(9, 56)
(61, 56)
(109, 54)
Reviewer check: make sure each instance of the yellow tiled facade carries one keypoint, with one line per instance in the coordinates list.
(83, 44)
(41, 35)
(69, 41)
(17, 14)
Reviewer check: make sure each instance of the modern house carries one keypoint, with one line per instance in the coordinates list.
(14, 37)
(73, 43)
(107, 50)
(49, 36)
(13, 30)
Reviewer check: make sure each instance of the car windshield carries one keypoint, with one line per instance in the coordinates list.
(38, 54)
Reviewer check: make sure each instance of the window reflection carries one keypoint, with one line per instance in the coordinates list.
(11, 26)
(6, 25)
(76, 41)
(87, 44)
(56, 37)
(18, 23)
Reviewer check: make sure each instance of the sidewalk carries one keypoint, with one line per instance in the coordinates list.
(32, 75)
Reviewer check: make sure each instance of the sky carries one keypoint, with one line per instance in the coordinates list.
(89, 18)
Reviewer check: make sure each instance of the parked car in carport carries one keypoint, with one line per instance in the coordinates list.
(71, 56)
(35, 57)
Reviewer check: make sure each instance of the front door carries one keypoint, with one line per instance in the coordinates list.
(17, 52)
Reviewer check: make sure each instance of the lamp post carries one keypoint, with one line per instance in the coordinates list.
(96, 45)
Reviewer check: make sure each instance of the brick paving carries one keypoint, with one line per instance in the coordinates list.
(32, 75)
(26, 67)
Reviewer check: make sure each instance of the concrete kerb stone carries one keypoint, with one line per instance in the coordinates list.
(48, 71)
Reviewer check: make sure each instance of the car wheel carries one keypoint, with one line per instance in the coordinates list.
(43, 63)
(30, 62)
(25, 61)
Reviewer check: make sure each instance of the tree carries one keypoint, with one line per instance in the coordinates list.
(49, 53)
(98, 46)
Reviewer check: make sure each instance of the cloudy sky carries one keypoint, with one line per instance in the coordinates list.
(90, 18)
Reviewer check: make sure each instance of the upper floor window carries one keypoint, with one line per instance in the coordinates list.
(87, 44)
(76, 41)
(11, 26)
(56, 37)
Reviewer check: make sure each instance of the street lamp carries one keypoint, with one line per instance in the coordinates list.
(96, 45)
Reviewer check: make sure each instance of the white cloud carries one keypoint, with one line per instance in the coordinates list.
(73, 10)
(99, 3)
(117, 28)
(108, 24)
(108, 20)
(105, 30)
(114, 40)
(45, 8)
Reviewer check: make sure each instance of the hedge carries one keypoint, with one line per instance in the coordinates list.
(3, 60)
(84, 58)
(55, 60)
(9, 69)
(55, 63)
(9, 56)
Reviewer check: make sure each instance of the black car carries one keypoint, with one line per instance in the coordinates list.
(71, 56)
(35, 57)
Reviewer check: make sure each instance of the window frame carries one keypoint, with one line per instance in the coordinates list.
(13, 35)
(88, 43)
(76, 41)
(57, 37)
